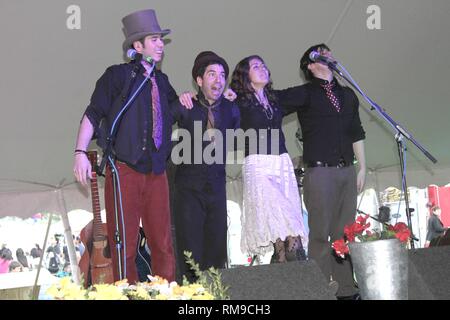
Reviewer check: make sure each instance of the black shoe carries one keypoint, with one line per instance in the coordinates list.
(356, 296)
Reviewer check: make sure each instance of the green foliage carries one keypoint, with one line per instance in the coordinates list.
(211, 278)
(377, 235)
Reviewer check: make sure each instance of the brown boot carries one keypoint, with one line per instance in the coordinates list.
(279, 253)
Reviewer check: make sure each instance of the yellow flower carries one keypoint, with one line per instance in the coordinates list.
(75, 293)
(106, 292)
(161, 297)
(65, 282)
(66, 290)
(188, 292)
(196, 286)
(177, 290)
(159, 289)
(121, 282)
(157, 280)
(140, 293)
(205, 296)
(52, 291)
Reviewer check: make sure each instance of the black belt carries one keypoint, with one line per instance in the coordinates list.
(341, 164)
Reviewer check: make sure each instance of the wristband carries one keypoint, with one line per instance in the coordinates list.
(80, 151)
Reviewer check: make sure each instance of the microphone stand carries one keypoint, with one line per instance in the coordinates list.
(400, 134)
(108, 157)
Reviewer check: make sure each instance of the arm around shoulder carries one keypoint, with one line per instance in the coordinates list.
(176, 111)
(293, 98)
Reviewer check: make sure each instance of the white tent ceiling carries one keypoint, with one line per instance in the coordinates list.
(48, 71)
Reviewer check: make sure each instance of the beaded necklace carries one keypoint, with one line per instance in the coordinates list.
(264, 102)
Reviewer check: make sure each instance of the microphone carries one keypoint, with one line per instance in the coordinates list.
(134, 55)
(316, 57)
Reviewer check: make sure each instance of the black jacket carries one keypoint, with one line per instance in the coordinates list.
(254, 117)
(327, 135)
(133, 144)
(197, 173)
(435, 227)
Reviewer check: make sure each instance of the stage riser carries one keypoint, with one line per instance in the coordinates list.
(429, 278)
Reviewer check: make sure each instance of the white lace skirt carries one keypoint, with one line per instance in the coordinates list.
(271, 203)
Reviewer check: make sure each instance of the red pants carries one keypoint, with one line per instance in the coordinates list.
(144, 197)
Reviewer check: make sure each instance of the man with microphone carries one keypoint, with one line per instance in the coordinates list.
(141, 146)
(332, 139)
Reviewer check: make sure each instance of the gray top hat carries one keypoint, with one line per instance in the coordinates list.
(140, 24)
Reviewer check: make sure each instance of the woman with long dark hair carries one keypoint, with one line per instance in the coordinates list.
(272, 214)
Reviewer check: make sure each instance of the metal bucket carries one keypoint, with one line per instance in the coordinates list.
(381, 269)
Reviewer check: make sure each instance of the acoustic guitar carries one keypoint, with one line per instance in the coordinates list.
(95, 264)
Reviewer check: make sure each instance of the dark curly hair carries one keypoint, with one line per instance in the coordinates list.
(241, 84)
(305, 60)
(6, 254)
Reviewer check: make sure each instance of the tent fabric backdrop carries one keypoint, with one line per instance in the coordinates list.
(52, 61)
(50, 70)
(24, 199)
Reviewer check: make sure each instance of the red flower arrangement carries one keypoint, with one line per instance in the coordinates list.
(357, 232)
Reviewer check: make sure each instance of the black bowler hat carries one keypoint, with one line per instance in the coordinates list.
(203, 60)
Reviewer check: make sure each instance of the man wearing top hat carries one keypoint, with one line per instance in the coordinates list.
(140, 150)
(200, 195)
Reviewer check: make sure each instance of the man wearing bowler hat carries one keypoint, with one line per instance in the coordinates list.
(200, 195)
(140, 150)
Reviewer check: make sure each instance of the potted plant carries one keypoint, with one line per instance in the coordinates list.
(379, 258)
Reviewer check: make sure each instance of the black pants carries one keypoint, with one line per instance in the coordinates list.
(201, 226)
(330, 197)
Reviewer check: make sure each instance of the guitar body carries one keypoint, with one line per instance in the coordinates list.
(95, 264)
(85, 261)
(101, 268)
(100, 260)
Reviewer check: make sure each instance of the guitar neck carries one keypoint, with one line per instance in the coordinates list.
(97, 221)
